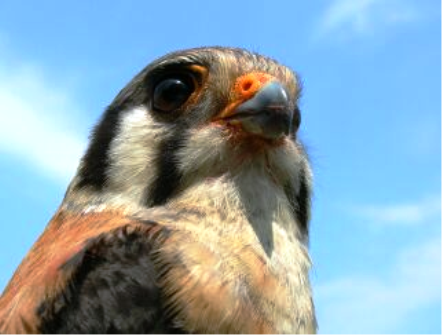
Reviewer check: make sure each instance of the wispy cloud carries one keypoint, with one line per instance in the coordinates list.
(413, 213)
(352, 18)
(36, 122)
(379, 304)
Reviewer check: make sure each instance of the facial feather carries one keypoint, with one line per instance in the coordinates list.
(132, 168)
(132, 153)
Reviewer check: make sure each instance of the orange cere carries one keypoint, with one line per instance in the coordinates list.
(245, 87)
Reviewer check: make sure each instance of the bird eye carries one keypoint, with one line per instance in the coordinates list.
(171, 93)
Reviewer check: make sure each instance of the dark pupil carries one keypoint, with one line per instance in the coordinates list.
(170, 94)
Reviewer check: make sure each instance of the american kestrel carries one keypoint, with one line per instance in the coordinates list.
(188, 213)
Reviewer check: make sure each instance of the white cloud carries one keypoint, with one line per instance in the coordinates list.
(37, 122)
(414, 213)
(380, 304)
(349, 18)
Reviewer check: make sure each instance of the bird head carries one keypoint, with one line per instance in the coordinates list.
(193, 116)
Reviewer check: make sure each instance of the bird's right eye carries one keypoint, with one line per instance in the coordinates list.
(171, 93)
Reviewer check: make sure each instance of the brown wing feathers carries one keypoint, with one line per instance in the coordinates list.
(48, 270)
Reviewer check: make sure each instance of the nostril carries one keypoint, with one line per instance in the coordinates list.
(246, 85)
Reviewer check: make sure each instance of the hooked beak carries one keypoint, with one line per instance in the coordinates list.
(266, 114)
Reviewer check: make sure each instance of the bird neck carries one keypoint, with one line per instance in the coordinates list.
(247, 197)
(250, 199)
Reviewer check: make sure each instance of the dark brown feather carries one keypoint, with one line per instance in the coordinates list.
(48, 270)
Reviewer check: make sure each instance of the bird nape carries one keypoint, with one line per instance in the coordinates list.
(188, 213)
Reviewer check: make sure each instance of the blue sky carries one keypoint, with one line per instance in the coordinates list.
(371, 121)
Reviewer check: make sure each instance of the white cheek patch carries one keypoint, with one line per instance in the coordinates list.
(205, 153)
(131, 154)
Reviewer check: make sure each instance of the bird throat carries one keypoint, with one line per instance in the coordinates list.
(238, 247)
